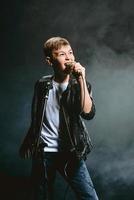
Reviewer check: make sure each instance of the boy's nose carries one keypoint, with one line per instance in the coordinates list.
(68, 57)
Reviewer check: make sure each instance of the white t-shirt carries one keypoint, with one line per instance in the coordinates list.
(50, 129)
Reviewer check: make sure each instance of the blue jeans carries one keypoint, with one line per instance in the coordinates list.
(74, 172)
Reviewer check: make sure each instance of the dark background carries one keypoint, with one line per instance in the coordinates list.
(102, 35)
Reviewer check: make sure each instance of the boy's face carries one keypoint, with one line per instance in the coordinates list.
(60, 57)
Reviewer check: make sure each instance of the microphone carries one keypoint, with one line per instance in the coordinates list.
(70, 69)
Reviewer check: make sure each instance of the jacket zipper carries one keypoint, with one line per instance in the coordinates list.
(63, 110)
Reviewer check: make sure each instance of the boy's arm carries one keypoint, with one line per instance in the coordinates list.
(86, 100)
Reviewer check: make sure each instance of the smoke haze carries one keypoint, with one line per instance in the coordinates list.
(102, 35)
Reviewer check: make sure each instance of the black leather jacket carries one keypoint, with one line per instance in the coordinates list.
(72, 126)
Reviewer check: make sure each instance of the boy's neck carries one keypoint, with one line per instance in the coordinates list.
(61, 79)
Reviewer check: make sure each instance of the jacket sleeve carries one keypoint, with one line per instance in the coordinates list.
(27, 145)
(91, 114)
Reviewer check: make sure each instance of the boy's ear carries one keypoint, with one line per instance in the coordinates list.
(48, 60)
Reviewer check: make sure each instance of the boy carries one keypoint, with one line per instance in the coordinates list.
(57, 135)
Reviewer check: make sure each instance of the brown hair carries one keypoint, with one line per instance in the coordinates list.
(54, 43)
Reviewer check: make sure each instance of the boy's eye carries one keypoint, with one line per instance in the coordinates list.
(71, 52)
(61, 54)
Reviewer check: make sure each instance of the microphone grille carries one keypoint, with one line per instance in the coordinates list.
(69, 64)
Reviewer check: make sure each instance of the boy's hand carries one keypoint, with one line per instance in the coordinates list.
(75, 68)
(78, 71)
